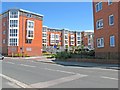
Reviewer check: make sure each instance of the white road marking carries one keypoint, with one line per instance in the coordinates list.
(27, 65)
(57, 81)
(93, 68)
(60, 71)
(109, 78)
(23, 85)
(10, 62)
(11, 84)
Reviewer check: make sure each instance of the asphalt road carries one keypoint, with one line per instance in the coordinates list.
(30, 74)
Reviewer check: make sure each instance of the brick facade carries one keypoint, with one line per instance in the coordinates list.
(29, 40)
(108, 30)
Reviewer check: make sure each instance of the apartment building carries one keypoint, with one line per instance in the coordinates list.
(107, 28)
(54, 37)
(21, 32)
(66, 39)
(44, 36)
(72, 38)
(78, 38)
(88, 39)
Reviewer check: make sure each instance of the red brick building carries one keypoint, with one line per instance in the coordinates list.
(21, 32)
(66, 38)
(107, 28)
(54, 37)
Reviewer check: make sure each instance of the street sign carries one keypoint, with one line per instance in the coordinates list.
(55, 46)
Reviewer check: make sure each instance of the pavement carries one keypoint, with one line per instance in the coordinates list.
(29, 73)
(71, 63)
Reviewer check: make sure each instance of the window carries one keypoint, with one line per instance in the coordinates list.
(44, 40)
(3, 41)
(72, 42)
(57, 36)
(29, 41)
(13, 41)
(100, 42)
(89, 41)
(111, 20)
(13, 14)
(89, 36)
(99, 24)
(78, 42)
(44, 35)
(29, 15)
(98, 6)
(112, 41)
(57, 41)
(52, 36)
(30, 24)
(30, 29)
(13, 32)
(13, 23)
(72, 37)
(30, 33)
(110, 2)
(52, 41)
(78, 38)
(66, 32)
(4, 32)
(66, 37)
(66, 41)
(44, 29)
(78, 33)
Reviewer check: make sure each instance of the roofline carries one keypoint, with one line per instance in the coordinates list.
(23, 11)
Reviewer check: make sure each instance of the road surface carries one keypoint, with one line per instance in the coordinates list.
(21, 73)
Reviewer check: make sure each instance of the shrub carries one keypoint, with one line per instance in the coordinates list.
(63, 55)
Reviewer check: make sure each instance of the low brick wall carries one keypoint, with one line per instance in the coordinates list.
(103, 61)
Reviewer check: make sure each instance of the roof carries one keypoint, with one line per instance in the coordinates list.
(30, 12)
(24, 11)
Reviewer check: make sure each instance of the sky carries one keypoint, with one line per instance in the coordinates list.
(70, 15)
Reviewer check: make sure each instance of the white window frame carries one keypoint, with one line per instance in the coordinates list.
(102, 45)
(99, 9)
(100, 26)
(112, 45)
(110, 2)
(13, 32)
(110, 19)
(14, 23)
(13, 41)
(30, 29)
(57, 36)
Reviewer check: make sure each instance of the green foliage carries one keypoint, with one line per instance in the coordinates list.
(20, 55)
(52, 56)
(63, 55)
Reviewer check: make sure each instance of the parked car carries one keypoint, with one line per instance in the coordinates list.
(1, 57)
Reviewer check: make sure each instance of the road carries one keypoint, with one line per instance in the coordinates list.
(31, 74)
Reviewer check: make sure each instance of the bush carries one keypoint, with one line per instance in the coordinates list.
(51, 56)
(92, 53)
(18, 55)
(63, 55)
